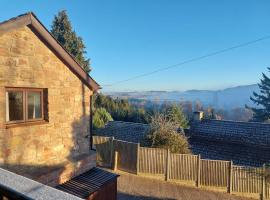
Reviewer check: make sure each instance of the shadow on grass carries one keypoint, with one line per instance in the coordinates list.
(124, 196)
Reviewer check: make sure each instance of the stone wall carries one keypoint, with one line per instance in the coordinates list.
(241, 133)
(25, 61)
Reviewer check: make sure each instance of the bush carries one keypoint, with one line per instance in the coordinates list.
(101, 117)
(163, 134)
(175, 113)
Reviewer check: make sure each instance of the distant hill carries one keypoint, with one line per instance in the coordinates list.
(227, 99)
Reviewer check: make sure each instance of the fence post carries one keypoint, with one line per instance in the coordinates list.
(167, 172)
(262, 195)
(112, 151)
(138, 158)
(229, 189)
(115, 160)
(198, 170)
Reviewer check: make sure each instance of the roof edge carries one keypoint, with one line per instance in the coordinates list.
(30, 19)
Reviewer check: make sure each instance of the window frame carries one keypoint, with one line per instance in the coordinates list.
(25, 92)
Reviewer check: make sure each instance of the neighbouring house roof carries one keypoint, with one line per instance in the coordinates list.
(87, 183)
(246, 143)
(236, 132)
(30, 20)
(128, 131)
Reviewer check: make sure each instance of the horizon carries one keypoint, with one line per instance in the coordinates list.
(127, 38)
(212, 90)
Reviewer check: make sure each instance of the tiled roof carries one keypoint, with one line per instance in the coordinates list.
(128, 131)
(239, 154)
(242, 142)
(246, 133)
(246, 143)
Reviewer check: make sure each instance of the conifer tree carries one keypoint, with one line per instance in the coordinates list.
(67, 37)
(176, 114)
(262, 113)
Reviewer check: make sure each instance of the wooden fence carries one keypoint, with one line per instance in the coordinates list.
(127, 155)
(152, 161)
(105, 150)
(216, 174)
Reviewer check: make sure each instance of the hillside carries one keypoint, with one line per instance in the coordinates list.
(227, 98)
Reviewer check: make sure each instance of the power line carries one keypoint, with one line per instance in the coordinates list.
(190, 60)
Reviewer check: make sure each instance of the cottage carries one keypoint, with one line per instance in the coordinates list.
(45, 105)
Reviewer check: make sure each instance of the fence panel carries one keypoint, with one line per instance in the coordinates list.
(104, 149)
(183, 167)
(152, 160)
(267, 191)
(214, 173)
(246, 179)
(127, 155)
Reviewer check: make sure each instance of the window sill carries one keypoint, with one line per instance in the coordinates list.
(32, 123)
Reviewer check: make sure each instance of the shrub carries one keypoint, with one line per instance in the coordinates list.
(101, 117)
(163, 134)
(175, 113)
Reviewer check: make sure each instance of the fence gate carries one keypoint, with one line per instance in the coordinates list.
(104, 148)
(127, 155)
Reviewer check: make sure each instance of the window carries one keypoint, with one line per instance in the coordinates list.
(24, 105)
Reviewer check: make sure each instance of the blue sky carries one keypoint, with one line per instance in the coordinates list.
(125, 38)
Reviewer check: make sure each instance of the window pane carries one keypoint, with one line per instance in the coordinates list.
(14, 105)
(34, 105)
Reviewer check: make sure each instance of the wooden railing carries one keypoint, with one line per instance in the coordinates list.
(190, 169)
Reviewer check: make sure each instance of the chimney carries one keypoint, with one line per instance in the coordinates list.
(198, 115)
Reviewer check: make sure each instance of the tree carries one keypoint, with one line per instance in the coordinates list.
(120, 109)
(241, 114)
(210, 113)
(262, 100)
(198, 106)
(163, 134)
(101, 117)
(187, 107)
(67, 37)
(175, 113)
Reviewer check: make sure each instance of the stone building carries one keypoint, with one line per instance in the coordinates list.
(45, 105)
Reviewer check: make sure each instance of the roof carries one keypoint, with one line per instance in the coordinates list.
(246, 133)
(128, 131)
(30, 20)
(87, 183)
(213, 139)
(239, 154)
(246, 143)
(20, 187)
